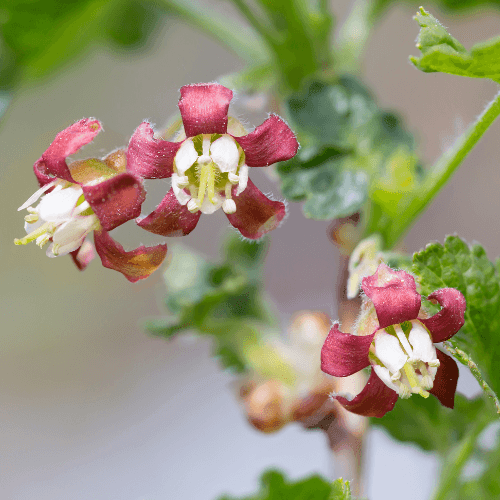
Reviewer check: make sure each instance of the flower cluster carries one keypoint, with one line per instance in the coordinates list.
(208, 166)
(396, 338)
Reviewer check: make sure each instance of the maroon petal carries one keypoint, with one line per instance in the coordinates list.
(170, 218)
(39, 169)
(450, 319)
(135, 265)
(445, 383)
(83, 255)
(204, 108)
(343, 354)
(116, 200)
(394, 295)
(150, 158)
(66, 143)
(255, 213)
(270, 142)
(375, 400)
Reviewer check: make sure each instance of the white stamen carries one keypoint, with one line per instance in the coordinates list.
(229, 206)
(193, 205)
(404, 341)
(243, 175)
(180, 194)
(233, 178)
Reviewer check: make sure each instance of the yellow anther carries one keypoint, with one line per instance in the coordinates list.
(31, 218)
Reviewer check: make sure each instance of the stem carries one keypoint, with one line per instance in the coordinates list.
(456, 459)
(240, 39)
(465, 359)
(439, 175)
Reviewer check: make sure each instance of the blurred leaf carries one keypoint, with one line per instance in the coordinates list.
(468, 269)
(224, 301)
(275, 486)
(441, 52)
(351, 151)
(38, 36)
(431, 426)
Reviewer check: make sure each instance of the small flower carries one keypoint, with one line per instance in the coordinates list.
(398, 345)
(88, 195)
(209, 167)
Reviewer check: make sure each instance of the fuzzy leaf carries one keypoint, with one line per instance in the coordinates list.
(428, 424)
(441, 52)
(275, 486)
(467, 268)
(347, 143)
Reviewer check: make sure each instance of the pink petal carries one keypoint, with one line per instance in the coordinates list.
(445, 383)
(170, 218)
(204, 108)
(39, 169)
(394, 295)
(375, 400)
(135, 265)
(450, 319)
(83, 255)
(270, 142)
(255, 213)
(343, 354)
(116, 200)
(66, 143)
(150, 158)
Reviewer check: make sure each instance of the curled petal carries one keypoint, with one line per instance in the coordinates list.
(394, 295)
(66, 143)
(170, 218)
(225, 154)
(343, 354)
(450, 319)
(445, 383)
(375, 400)
(82, 256)
(150, 158)
(39, 169)
(135, 265)
(204, 108)
(255, 213)
(116, 200)
(270, 142)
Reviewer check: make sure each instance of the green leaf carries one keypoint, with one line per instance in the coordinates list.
(468, 269)
(429, 425)
(441, 52)
(38, 36)
(275, 486)
(352, 152)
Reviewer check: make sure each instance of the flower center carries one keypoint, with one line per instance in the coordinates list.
(206, 168)
(405, 359)
(62, 216)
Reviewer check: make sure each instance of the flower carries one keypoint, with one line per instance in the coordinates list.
(209, 167)
(85, 196)
(398, 344)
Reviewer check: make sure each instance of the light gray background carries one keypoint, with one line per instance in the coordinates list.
(93, 408)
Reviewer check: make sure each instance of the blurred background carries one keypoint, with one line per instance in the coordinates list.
(93, 407)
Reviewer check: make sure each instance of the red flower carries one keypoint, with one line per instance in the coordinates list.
(209, 168)
(88, 195)
(399, 348)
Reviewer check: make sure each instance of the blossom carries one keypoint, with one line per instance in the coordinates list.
(399, 344)
(209, 166)
(85, 196)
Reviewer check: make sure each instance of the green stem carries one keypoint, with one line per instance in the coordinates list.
(439, 175)
(240, 39)
(456, 460)
(465, 359)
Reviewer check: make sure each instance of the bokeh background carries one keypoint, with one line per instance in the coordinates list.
(91, 407)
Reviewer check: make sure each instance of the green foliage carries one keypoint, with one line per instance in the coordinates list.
(431, 426)
(275, 486)
(441, 52)
(38, 36)
(468, 269)
(224, 301)
(353, 155)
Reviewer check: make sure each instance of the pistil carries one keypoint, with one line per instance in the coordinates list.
(47, 228)
(416, 388)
